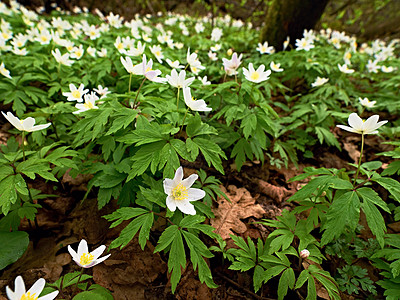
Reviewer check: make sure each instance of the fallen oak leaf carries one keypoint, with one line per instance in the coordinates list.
(275, 192)
(228, 215)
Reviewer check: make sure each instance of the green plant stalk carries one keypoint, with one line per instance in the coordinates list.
(359, 161)
(184, 118)
(137, 94)
(79, 278)
(23, 145)
(177, 100)
(130, 81)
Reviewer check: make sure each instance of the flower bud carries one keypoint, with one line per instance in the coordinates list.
(229, 52)
(304, 253)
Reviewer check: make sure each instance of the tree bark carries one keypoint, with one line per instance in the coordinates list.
(290, 18)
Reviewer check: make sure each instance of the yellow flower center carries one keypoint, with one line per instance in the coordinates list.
(5, 35)
(148, 69)
(76, 94)
(180, 192)
(194, 69)
(158, 53)
(86, 258)
(348, 55)
(88, 105)
(255, 76)
(263, 49)
(78, 53)
(120, 46)
(44, 38)
(28, 296)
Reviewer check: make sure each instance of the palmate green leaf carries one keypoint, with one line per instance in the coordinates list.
(393, 186)
(344, 210)
(172, 236)
(249, 124)
(211, 152)
(146, 155)
(198, 250)
(286, 281)
(241, 149)
(327, 136)
(144, 222)
(315, 187)
(375, 219)
(327, 281)
(196, 127)
(34, 166)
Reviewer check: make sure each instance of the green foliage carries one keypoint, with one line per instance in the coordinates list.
(352, 279)
(12, 246)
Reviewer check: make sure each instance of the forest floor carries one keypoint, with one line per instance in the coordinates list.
(257, 192)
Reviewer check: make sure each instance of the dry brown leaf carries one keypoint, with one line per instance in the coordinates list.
(278, 193)
(228, 215)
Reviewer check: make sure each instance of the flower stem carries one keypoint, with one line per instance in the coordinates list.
(130, 81)
(184, 118)
(137, 94)
(79, 278)
(23, 145)
(359, 161)
(177, 100)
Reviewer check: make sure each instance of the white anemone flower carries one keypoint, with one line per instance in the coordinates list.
(319, 81)
(204, 80)
(103, 92)
(180, 193)
(32, 294)
(179, 81)
(275, 67)
(90, 101)
(27, 125)
(366, 102)
(130, 68)
(174, 64)
(360, 126)
(265, 49)
(345, 69)
(4, 71)
(86, 259)
(193, 104)
(258, 75)
(75, 94)
(62, 59)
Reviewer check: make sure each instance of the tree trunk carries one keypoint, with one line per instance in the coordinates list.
(290, 18)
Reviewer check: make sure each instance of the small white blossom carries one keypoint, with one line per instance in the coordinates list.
(358, 125)
(180, 193)
(86, 259)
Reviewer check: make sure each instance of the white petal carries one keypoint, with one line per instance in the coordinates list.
(178, 176)
(19, 287)
(28, 123)
(13, 120)
(195, 194)
(168, 185)
(347, 128)
(186, 207)
(171, 204)
(355, 121)
(37, 287)
(97, 261)
(73, 253)
(188, 182)
(10, 293)
(98, 251)
(82, 248)
(50, 296)
(40, 127)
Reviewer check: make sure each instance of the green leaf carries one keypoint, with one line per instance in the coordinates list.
(325, 135)
(8, 193)
(176, 260)
(12, 247)
(143, 222)
(344, 210)
(249, 125)
(286, 281)
(393, 186)
(211, 152)
(311, 289)
(258, 277)
(195, 127)
(69, 279)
